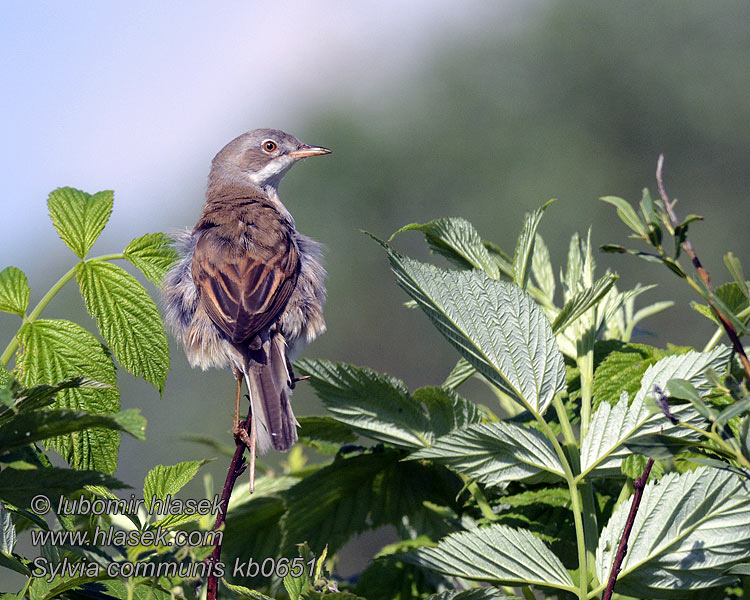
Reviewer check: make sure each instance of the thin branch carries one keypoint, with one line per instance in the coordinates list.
(702, 273)
(236, 468)
(622, 549)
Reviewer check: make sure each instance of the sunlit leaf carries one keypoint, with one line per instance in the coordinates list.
(128, 319)
(153, 254)
(79, 217)
(14, 291)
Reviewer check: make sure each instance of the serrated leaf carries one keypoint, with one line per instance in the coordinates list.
(603, 446)
(375, 405)
(458, 241)
(163, 480)
(19, 486)
(622, 371)
(690, 528)
(14, 291)
(462, 372)
(53, 350)
(127, 318)
(541, 269)
(583, 301)
(493, 324)
(79, 217)
(39, 396)
(447, 410)
(153, 254)
(30, 427)
(495, 453)
(359, 493)
(734, 299)
(496, 554)
(525, 246)
(633, 466)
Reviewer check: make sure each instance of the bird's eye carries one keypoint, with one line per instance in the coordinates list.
(270, 146)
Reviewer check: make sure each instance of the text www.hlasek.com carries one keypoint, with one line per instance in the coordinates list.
(108, 537)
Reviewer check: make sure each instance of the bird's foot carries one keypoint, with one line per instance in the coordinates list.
(241, 435)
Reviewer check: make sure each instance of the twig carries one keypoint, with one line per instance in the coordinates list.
(622, 549)
(236, 468)
(702, 273)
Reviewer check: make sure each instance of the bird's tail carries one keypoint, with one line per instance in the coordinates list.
(268, 381)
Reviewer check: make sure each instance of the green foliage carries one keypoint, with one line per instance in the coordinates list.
(536, 502)
(14, 291)
(79, 217)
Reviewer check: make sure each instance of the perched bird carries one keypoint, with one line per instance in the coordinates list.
(248, 289)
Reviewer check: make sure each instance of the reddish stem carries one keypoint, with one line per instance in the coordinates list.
(639, 484)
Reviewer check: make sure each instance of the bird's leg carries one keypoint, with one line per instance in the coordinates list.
(251, 446)
(240, 432)
(292, 379)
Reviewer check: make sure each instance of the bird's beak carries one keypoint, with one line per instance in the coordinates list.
(304, 151)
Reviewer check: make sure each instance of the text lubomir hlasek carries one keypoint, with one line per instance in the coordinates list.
(162, 506)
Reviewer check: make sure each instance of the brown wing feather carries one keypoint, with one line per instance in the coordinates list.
(243, 289)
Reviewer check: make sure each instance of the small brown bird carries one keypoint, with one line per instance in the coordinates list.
(248, 290)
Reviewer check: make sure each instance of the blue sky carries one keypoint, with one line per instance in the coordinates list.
(138, 96)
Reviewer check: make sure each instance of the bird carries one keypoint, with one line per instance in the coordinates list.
(247, 291)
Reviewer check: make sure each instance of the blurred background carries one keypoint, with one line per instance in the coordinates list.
(481, 109)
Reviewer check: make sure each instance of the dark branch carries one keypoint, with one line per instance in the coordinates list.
(622, 548)
(236, 468)
(702, 273)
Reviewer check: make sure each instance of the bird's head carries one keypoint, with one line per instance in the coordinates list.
(261, 157)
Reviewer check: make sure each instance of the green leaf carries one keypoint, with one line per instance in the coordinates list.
(734, 299)
(734, 266)
(684, 390)
(14, 291)
(690, 528)
(153, 254)
(583, 301)
(458, 241)
(53, 350)
(244, 593)
(541, 269)
(622, 370)
(128, 319)
(494, 453)
(324, 433)
(633, 466)
(39, 396)
(7, 531)
(358, 493)
(627, 214)
(602, 449)
(525, 246)
(496, 554)
(493, 324)
(483, 593)
(163, 480)
(448, 411)
(734, 410)
(79, 217)
(19, 486)
(375, 405)
(462, 372)
(30, 427)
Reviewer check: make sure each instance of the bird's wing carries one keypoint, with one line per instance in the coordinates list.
(244, 288)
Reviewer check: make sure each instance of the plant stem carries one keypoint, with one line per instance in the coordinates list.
(702, 273)
(622, 548)
(34, 315)
(236, 468)
(590, 526)
(575, 502)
